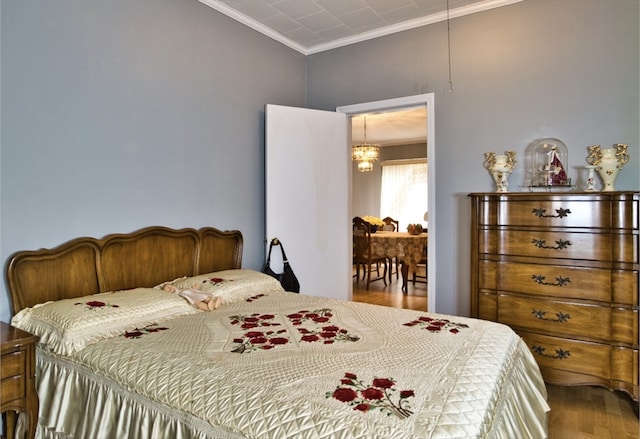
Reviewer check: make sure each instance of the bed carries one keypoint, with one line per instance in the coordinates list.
(120, 357)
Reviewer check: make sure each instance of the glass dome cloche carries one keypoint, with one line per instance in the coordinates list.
(546, 164)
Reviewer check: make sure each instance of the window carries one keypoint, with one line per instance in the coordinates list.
(403, 195)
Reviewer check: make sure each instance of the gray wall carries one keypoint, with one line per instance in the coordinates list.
(121, 114)
(539, 68)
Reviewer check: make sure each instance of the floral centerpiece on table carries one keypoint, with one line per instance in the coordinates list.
(414, 229)
(374, 221)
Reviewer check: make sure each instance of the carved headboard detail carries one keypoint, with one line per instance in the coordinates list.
(143, 258)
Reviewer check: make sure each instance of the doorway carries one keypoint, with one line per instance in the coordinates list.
(396, 185)
(408, 103)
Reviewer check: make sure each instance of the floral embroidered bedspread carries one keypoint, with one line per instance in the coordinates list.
(282, 365)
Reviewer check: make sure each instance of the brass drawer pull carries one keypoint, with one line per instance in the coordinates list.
(560, 281)
(561, 317)
(542, 213)
(560, 354)
(560, 244)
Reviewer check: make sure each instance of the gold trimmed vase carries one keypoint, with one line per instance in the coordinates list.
(500, 167)
(609, 162)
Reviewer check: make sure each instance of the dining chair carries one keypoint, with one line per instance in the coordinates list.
(363, 264)
(362, 251)
(393, 226)
(359, 264)
(421, 263)
(390, 224)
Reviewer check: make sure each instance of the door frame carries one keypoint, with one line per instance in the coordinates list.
(406, 103)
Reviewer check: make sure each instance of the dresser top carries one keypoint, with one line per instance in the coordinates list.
(11, 337)
(587, 196)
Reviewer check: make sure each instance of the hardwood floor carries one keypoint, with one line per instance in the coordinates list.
(591, 412)
(391, 295)
(580, 412)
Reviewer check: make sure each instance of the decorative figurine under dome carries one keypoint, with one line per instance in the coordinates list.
(500, 167)
(548, 161)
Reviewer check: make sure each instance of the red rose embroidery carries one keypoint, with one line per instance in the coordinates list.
(328, 334)
(383, 383)
(257, 340)
(137, 333)
(377, 395)
(437, 325)
(310, 338)
(96, 304)
(344, 395)
(312, 327)
(372, 393)
(216, 281)
(279, 340)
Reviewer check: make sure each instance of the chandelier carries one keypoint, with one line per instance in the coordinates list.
(365, 154)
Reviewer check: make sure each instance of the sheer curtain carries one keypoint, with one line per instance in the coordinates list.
(403, 195)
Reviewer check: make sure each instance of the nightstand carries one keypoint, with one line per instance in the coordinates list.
(17, 388)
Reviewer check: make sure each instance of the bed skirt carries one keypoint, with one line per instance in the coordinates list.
(76, 403)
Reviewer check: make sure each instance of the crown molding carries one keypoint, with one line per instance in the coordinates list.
(253, 24)
(388, 30)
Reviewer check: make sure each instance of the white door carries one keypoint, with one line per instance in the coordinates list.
(308, 189)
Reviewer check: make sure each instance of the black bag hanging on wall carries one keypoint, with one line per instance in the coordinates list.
(287, 278)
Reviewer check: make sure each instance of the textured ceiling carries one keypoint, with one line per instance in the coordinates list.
(311, 26)
(391, 128)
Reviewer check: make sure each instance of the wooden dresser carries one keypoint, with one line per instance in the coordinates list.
(562, 270)
(17, 388)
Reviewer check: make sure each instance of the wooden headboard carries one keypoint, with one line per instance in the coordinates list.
(143, 258)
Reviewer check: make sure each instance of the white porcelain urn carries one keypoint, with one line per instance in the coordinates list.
(500, 167)
(609, 162)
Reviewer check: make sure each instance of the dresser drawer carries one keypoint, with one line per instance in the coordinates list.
(12, 388)
(547, 244)
(547, 280)
(13, 364)
(626, 211)
(624, 369)
(13, 379)
(546, 212)
(570, 355)
(619, 287)
(583, 321)
(487, 306)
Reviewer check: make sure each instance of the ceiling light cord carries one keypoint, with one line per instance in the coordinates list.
(449, 47)
(365, 129)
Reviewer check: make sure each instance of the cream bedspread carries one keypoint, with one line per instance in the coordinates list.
(284, 365)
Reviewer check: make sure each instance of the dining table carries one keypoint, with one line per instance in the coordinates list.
(406, 247)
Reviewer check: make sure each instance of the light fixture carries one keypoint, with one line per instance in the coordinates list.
(365, 154)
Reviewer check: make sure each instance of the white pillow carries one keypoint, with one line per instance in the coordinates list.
(230, 285)
(69, 325)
